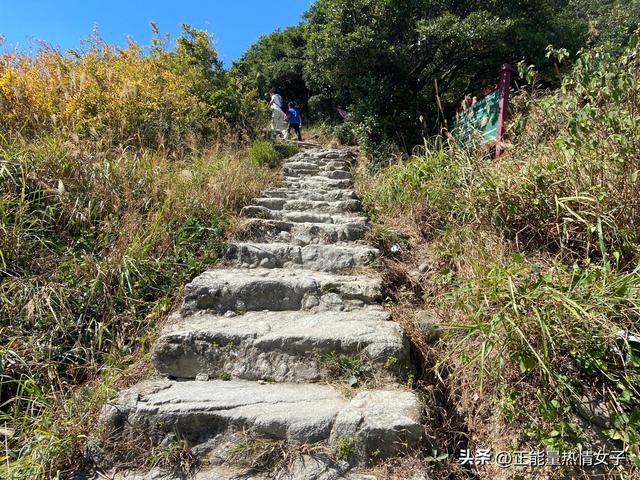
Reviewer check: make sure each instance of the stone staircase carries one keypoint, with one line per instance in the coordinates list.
(244, 356)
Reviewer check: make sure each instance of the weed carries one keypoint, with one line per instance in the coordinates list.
(176, 456)
(268, 455)
(391, 363)
(535, 258)
(98, 244)
(351, 369)
(436, 457)
(344, 447)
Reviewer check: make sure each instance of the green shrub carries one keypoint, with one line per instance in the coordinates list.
(535, 257)
(95, 246)
(344, 132)
(345, 448)
(265, 153)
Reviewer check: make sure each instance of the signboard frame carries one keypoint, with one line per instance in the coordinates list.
(482, 113)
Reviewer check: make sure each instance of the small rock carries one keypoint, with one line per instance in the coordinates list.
(429, 323)
(314, 468)
(230, 313)
(420, 476)
(168, 440)
(202, 377)
(593, 410)
(424, 267)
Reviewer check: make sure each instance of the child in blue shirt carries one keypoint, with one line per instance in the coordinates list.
(294, 121)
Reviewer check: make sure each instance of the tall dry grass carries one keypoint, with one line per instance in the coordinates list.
(158, 96)
(95, 247)
(120, 169)
(533, 260)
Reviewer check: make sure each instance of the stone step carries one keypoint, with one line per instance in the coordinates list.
(266, 231)
(386, 422)
(278, 346)
(340, 206)
(313, 194)
(317, 175)
(307, 467)
(323, 258)
(302, 216)
(239, 290)
(317, 181)
(314, 167)
(322, 156)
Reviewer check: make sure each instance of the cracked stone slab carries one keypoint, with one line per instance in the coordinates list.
(381, 423)
(314, 168)
(267, 231)
(323, 258)
(322, 156)
(280, 346)
(298, 413)
(325, 174)
(303, 216)
(278, 289)
(304, 468)
(317, 181)
(341, 206)
(317, 194)
(310, 167)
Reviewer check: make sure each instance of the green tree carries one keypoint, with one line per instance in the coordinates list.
(611, 22)
(389, 59)
(276, 60)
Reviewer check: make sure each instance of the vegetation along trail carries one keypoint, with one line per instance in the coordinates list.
(249, 359)
(185, 295)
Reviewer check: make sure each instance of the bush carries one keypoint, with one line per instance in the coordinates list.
(96, 246)
(265, 153)
(345, 133)
(534, 258)
(151, 97)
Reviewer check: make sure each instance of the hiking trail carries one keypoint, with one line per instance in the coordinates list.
(248, 354)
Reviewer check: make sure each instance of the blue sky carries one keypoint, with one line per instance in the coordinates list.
(235, 24)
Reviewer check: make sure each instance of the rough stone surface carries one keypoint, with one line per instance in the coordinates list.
(382, 423)
(313, 194)
(305, 468)
(278, 289)
(267, 231)
(199, 410)
(302, 216)
(243, 354)
(280, 346)
(339, 206)
(593, 410)
(323, 258)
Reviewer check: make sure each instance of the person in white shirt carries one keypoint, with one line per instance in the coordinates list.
(278, 117)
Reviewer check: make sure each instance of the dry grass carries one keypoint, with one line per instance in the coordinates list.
(275, 457)
(97, 245)
(531, 265)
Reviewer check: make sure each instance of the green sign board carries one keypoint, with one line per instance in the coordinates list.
(480, 120)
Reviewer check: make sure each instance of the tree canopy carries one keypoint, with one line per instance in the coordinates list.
(391, 61)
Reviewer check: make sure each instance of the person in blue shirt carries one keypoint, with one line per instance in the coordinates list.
(294, 121)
